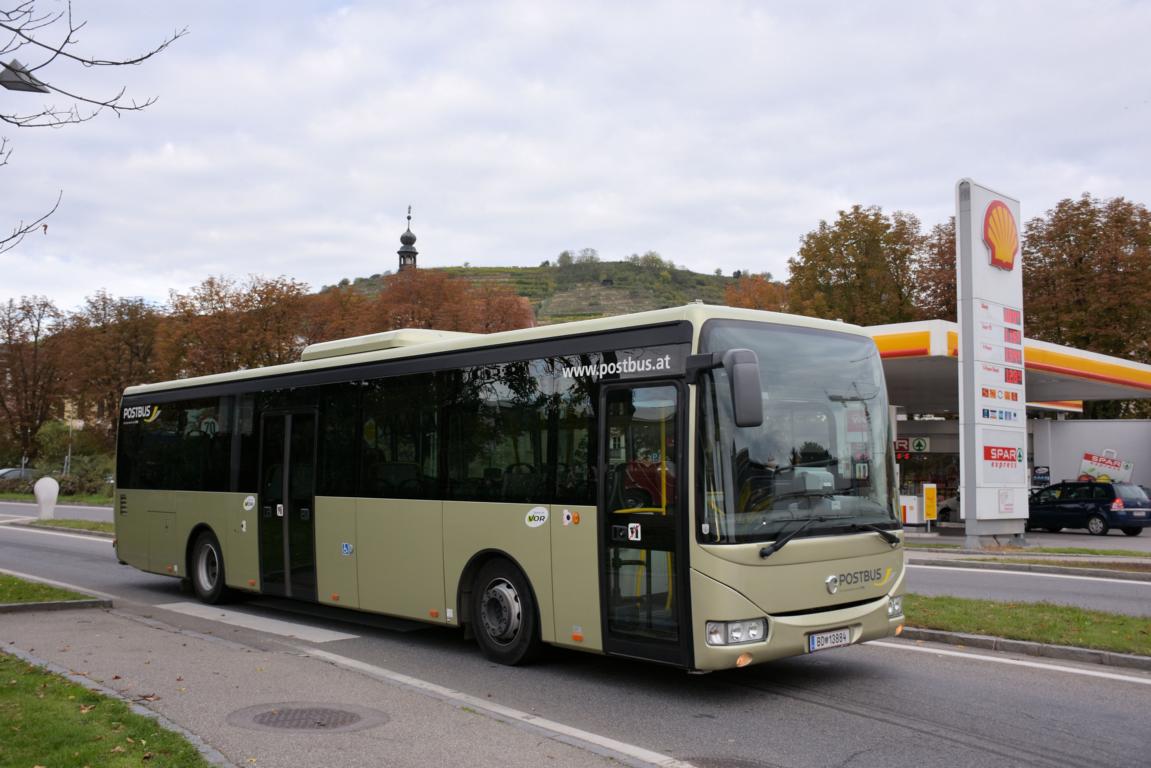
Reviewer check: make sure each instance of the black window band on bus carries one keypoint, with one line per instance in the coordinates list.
(402, 434)
(679, 332)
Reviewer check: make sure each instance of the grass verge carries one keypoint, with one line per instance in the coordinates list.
(1100, 565)
(1085, 551)
(1038, 550)
(80, 525)
(931, 545)
(1037, 622)
(50, 721)
(14, 590)
(89, 501)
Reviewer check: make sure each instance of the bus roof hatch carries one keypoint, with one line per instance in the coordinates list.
(374, 342)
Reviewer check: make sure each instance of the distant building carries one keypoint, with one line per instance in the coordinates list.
(408, 252)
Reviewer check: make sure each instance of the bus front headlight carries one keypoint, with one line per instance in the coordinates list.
(895, 607)
(736, 632)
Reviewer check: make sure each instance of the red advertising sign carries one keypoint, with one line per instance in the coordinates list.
(1000, 453)
(1103, 461)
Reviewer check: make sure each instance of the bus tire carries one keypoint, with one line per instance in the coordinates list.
(504, 616)
(207, 571)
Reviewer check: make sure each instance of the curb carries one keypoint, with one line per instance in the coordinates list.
(1096, 573)
(54, 605)
(207, 751)
(1029, 648)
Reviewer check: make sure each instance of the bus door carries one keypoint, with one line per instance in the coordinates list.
(287, 504)
(643, 559)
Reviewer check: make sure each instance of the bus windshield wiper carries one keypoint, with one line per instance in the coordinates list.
(887, 535)
(781, 542)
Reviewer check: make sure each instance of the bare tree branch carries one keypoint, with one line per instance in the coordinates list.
(21, 229)
(24, 26)
(50, 37)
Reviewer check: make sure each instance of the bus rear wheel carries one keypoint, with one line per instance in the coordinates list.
(504, 614)
(207, 570)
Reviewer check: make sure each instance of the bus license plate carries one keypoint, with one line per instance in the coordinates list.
(835, 638)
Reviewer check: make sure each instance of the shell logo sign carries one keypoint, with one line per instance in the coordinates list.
(1001, 235)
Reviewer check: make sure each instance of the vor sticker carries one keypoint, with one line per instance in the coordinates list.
(536, 517)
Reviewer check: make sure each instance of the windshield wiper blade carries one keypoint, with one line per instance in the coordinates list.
(781, 542)
(887, 535)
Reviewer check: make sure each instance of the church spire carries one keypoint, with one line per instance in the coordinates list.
(408, 252)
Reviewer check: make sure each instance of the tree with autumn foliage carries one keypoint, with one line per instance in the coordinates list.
(860, 269)
(1086, 268)
(417, 298)
(420, 298)
(497, 308)
(338, 312)
(30, 362)
(222, 325)
(756, 292)
(935, 274)
(109, 344)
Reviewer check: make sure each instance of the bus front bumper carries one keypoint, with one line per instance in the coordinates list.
(792, 635)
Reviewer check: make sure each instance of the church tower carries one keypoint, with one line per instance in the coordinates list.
(408, 250)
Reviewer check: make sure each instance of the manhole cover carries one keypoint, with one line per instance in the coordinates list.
(307, 716)
(306, 719)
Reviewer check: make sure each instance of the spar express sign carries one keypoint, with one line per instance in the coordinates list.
(1002, 458)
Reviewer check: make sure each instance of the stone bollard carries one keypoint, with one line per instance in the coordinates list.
(46, 490)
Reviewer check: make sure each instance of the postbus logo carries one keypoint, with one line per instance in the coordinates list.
(1000, 235)
(140, 413)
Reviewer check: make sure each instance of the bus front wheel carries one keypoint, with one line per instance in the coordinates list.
(208, 569)
(504, 614)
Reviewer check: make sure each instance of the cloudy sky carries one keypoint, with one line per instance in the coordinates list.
(289, 138)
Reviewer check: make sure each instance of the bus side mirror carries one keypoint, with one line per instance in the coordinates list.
(742, 367)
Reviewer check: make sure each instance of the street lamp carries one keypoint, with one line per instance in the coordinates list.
(15, 77)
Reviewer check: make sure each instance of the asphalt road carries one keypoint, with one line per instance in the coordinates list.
(882, 704)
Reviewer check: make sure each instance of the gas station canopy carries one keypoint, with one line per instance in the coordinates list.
(921, 364)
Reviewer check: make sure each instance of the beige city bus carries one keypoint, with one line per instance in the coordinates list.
(702, 486)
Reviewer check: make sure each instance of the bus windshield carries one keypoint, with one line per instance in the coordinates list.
(821, 459)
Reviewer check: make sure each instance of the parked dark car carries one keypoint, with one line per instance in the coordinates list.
(1098, 507)
(16, 473)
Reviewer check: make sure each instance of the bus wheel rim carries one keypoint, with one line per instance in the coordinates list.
(208, 568)
(500, 611)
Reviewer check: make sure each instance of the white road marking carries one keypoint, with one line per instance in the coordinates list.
(507, 713)
(1014, 662)
(258, 623)
(60, 584)
(1096, 579)
(44, 531)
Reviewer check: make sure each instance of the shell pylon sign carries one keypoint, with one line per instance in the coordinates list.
(992, 399)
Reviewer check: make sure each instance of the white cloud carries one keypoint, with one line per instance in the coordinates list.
(289, 138)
